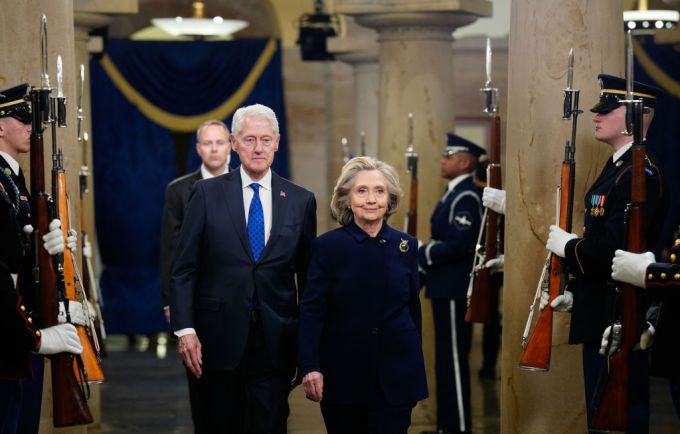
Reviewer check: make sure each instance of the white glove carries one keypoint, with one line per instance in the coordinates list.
(615, 340)
(630, 267)
(53, 241)
(59, 339)
(75, 310)
(494, 199)
(87, 248)
(647, 337)
(495, 265)
(558, 239)
(72, 241)
(563, 303)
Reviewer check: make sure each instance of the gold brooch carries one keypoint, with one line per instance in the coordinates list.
(403, 246)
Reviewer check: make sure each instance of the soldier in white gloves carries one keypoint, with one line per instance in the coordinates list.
(661, 281)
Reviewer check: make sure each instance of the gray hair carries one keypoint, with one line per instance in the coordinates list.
(210, 123)
(258, 111)
(340, 201)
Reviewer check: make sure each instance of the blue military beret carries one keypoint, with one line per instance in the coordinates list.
(613, 90)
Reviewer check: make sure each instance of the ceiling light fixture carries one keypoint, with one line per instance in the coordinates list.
(645, 21)
(198, 25)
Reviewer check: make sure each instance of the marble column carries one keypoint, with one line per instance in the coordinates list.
(359, 48)
(541, 35)
(414, 77)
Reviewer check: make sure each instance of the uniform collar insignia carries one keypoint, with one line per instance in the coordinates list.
(403, 245)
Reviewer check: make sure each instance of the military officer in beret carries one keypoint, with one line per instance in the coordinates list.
(591, 294)
(21, 334)
(447, 259)
(661, 281)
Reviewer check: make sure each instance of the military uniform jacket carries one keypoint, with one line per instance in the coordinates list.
(20, 335)
(448, 257)
(663, 284)
(360, 321)
(589, 258)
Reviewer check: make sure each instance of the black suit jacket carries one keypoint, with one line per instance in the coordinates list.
(214, 275)
(176, 198)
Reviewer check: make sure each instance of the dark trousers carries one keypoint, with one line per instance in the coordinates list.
(452, 347)
(379, 418)
(10, 400)
(594, 375)
(674, 386)
(31, 400)
(251, 399)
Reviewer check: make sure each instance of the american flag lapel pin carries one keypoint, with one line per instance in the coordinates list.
(282, 193)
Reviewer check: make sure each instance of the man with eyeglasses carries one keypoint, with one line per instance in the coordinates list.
(239, 272)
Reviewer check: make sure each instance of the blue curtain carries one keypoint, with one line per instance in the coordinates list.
(659, 65)
(143, 92)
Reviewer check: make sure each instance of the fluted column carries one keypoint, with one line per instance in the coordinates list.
(541, 35)
(414, 77)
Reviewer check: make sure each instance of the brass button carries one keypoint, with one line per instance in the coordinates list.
(650, 276)
(663, 275)
(30, 320)
(673, 257)
(677, 242)
(37, 332)
(676, 276)
(23, 308)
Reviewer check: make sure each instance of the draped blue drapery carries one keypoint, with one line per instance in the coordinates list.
(134, 156)
(659, 65)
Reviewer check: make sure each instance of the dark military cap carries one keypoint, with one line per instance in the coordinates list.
(455, 143)
(613, 90)
(13, 103)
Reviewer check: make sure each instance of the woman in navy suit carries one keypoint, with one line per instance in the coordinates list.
(359, 333)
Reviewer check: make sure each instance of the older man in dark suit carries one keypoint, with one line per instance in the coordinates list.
(214, 148)
(239, 271)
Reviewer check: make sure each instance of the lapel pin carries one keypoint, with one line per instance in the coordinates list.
(282, 193)
(403, 246)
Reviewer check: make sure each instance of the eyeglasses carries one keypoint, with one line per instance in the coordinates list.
(251, 141)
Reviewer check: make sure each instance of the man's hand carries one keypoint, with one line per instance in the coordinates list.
(613, 333)
(53, 241)
(75, 310)
(62, 338)
(313, 385)
(494, 199)
(630, 267)
(558, 239)
(561, 303)
(495, 265)
(72, 241)
(647, 337)
(190, 350)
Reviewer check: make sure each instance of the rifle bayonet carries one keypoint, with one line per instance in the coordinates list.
(345, 150)
(362, 143)
(60, 99)
(490, 92)
(79, 109)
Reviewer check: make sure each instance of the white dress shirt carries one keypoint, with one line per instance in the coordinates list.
(265, 198)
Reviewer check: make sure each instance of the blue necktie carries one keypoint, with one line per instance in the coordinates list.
(256, 223)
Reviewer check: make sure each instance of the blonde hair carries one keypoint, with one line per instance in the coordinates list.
(340, 201)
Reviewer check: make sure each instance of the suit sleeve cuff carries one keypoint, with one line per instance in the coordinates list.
(184, 332)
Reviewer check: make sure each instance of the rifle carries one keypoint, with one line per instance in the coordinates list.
(554, 278)
(69, 402)
(90, 289)
(412, 168)
(611, 405)
(87, 366)
(479, 289)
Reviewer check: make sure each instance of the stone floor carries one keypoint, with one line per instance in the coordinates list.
(146, 392)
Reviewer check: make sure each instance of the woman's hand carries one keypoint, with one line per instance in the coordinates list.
(313, 384)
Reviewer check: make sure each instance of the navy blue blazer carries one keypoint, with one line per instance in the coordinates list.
(448, 257)
(214, 274)
(360, 322)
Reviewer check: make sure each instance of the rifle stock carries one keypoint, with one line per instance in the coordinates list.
(69, 403)
(91, 370)
(479, 301)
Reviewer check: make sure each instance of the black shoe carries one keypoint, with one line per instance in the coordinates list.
(487, 374)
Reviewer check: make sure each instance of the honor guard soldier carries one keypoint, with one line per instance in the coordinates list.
(591, 295)
(22, 337)
(447, 259)
(661, 281)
